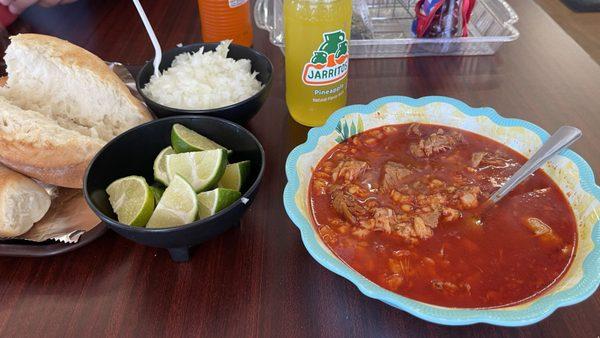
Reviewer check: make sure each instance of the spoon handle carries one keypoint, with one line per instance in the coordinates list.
(152, 35)
(561, 139)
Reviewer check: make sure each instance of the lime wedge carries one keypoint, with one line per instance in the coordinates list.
(178, 205)
(201, 169)
(160, 165)
(211, 202)
(131, 199)
(185, 140)
(235, 175)
(157, 192)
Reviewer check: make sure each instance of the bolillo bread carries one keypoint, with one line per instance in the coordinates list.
(60, 105)
(34, 144)
(22, 203)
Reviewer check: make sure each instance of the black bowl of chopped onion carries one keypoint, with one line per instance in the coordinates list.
(231, 84)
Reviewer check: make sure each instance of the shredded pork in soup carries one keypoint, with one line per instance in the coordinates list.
(401, 205)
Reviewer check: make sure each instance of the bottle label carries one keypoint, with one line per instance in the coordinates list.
(236, 3)
(329, 63)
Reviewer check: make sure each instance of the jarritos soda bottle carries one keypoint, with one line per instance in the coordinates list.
(316, 35)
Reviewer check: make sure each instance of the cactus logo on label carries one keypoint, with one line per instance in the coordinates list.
(329, 64)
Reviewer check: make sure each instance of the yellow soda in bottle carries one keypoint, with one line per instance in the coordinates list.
(316, 35)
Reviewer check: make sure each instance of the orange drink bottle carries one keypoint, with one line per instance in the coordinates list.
(316, 36)
(226, 19)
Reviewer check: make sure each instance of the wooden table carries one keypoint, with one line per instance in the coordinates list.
(258, 279)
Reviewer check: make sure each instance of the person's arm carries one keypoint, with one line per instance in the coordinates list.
(18, 6)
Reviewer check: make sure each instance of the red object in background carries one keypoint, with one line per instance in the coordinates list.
(442, 18)
(6, 17)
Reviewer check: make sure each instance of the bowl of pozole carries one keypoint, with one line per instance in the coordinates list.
(389, 195)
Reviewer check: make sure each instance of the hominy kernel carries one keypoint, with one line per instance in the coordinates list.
(389, 130)
(321, 174)
(378, 134)
(371, 141)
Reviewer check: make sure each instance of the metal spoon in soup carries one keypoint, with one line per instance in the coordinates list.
(559, 141)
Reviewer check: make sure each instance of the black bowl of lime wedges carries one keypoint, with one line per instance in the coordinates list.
(175, 182)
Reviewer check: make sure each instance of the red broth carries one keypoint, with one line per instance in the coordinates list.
(401, 205)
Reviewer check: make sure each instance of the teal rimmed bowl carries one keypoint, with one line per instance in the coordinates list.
(571, 172)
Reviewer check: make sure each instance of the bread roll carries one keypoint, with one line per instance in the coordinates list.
(70, 85)
(22, 203)
(80, 103)
(34, 144)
